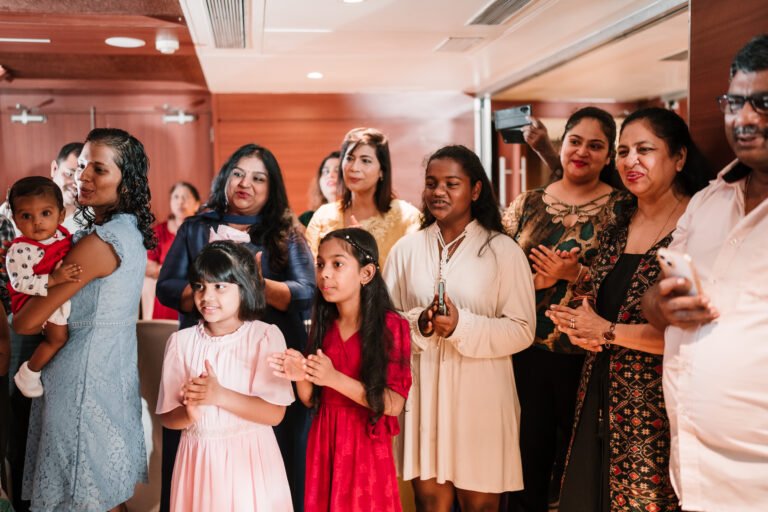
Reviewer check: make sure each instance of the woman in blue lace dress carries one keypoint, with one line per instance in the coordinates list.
(85, 449)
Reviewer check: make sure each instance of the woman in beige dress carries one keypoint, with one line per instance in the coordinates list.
(460, 425)
(367, 200)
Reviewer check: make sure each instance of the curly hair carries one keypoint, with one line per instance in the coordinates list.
(372, 137)
(277, 225)
(133, 191)
(484, 209)
(375, 337)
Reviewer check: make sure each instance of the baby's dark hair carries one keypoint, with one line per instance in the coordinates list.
(35, 186)
(375, 337)
(225, 261)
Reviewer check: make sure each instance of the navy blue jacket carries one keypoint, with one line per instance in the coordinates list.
(299, 275)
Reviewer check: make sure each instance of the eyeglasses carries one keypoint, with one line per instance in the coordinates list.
(732, 103)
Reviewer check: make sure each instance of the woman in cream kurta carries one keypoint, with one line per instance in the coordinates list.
(387, 228)
(461, 419)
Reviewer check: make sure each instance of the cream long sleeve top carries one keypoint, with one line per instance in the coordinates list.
(461, 420)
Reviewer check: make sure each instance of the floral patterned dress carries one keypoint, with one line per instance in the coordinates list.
(636, 438)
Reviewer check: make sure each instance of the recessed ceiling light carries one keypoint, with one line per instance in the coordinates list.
(315, 75)
(125, 42)
(23, 40)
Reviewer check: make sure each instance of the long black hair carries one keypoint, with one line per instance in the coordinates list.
(484, 209)
(383, 195)
(133, 195)
(375, 337)
(277, 224)
(225, 261)
(671, 128)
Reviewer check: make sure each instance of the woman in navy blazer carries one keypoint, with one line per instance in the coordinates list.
(249, 204)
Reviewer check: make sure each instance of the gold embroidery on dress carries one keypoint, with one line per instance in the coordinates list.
(571, 214)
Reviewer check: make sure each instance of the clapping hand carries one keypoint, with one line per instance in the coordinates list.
(555, 264)
(583, 326)
(319, 369)
(202, 390)
(288, 365)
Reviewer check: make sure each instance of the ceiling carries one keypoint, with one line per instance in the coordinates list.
(549, 50)
(77, 52)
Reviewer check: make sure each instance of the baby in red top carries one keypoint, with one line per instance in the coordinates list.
(34, 264)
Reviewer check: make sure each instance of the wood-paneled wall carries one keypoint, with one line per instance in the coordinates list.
(176, 152)
(718, 30)
(301, 129)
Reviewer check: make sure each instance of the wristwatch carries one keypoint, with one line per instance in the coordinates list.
(609, 336)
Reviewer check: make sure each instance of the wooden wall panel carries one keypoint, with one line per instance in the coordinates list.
(300, 129)
(718, 30)
(176, 152)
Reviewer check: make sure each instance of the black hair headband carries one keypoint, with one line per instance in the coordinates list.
(367, 256)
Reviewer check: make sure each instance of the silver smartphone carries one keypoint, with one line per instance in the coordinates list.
(677, 264)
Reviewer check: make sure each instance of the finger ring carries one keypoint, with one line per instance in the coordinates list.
(573, 322)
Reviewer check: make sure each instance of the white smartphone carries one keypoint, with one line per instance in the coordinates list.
(677, 264)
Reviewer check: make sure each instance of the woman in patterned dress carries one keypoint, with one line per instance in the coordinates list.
(85, 449)
(619, 454)
(562, 219)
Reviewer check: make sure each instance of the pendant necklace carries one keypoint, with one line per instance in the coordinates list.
(446, 251)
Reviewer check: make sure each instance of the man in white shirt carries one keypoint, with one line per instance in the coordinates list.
(716, 343)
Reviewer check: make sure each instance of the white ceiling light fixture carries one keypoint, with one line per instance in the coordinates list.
(125, 42)
(167, 44)
(23, 40)
(314, 75)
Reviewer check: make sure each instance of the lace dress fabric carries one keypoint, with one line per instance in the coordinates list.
(401, 219)
(85, 449)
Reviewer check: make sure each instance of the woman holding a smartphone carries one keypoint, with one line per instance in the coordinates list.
(460, 425)
(619, 454)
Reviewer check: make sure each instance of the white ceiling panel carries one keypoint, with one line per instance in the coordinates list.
(388, 45)
(626, 70)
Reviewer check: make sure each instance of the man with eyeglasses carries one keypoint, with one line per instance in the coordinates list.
(716, 343)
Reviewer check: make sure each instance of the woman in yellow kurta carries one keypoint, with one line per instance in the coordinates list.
(367, 200)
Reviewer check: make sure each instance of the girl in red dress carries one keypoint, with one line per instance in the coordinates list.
(356, 375)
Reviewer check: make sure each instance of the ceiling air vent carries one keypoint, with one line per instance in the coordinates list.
(458, 44)
(497, 12)
(677, 57)
(227, 22)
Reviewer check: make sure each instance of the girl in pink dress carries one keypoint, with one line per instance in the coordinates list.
(216, 386)
(356, 375)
